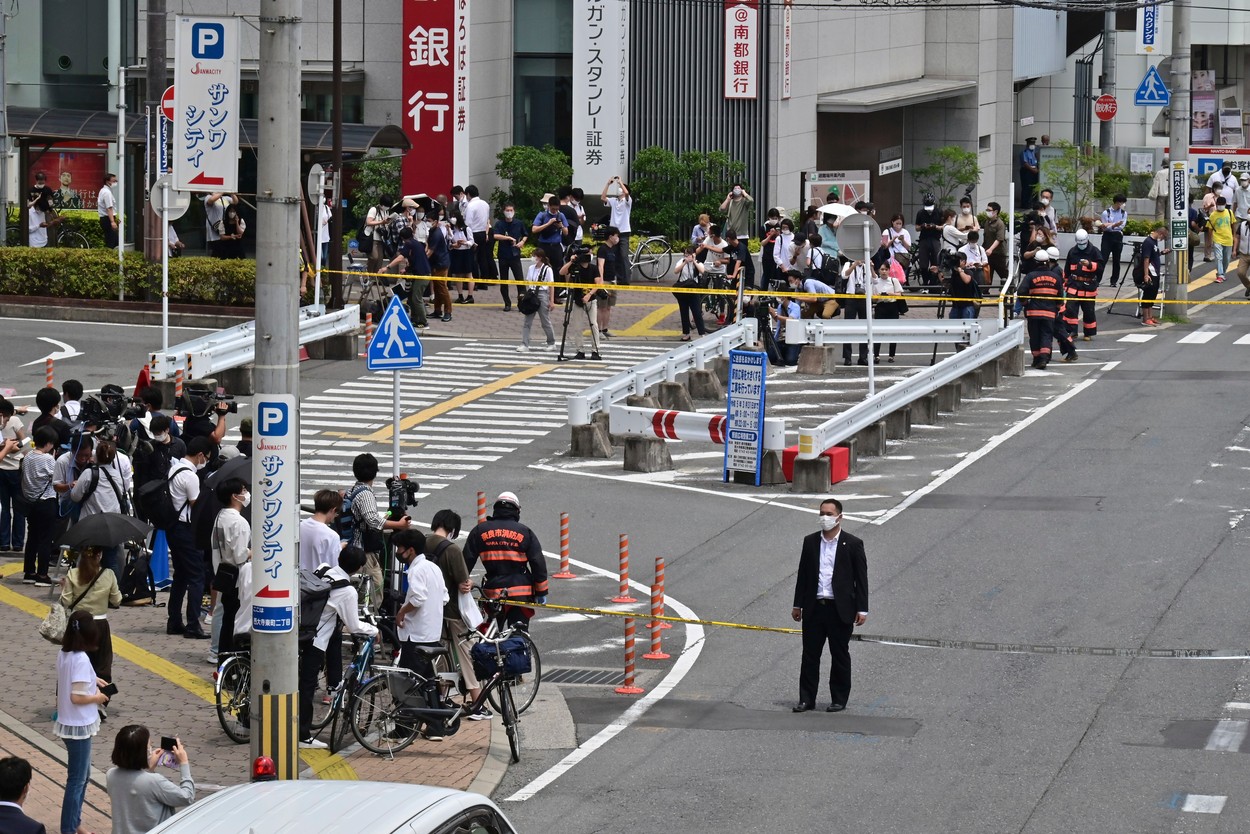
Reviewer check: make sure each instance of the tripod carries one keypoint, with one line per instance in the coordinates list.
(568, 312)
(1121, 282)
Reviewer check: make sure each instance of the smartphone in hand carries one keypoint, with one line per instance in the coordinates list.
(168, 742)
(109, 690)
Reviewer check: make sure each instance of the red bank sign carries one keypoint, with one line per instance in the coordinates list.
(436, 95)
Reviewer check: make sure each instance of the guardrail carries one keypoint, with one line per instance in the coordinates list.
(842, 427)
(819, 333)
(695, 355)
(690, 426)
(236, 345)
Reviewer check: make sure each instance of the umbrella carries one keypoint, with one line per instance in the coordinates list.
(104, 530)
(836, 209)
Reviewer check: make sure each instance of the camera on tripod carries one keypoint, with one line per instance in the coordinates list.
(401, 494)
(580, 253)
(199, 400)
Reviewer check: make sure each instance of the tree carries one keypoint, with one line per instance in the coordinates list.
(670, 191)
(530, 173)
(376, 176)
(1085, 177)
(950, 169)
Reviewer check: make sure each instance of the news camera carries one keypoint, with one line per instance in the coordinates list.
(402, 494)
(579, 253)
(198, 401)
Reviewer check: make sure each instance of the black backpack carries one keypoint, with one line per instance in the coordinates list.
(137, 584)
(154, 503)
(314, 593)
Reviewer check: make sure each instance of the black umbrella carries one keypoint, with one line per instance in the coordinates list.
(104, 530)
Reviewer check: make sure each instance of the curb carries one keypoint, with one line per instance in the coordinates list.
(495, 764)
(40, 742)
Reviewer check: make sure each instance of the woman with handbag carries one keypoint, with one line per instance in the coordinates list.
(78, 704)
(232, 539)
(537, 299)
(89, 587)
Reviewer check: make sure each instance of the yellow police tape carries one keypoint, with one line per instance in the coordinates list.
(927, 642)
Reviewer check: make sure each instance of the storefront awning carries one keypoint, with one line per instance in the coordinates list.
(56, 125)
(890, 96)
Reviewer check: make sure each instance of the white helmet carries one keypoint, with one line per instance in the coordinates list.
(1082, 236)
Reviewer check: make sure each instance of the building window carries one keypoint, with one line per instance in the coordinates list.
(542, 103)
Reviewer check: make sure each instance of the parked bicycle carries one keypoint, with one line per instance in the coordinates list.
(234, 691)
(653, 257)
(58, 235)
(391, 707)
(524, 687)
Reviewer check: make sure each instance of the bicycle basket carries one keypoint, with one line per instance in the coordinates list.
(516, 658)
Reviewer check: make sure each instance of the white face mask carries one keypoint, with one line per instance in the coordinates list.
(829, 522)
(966, 210)
(991, 213)
(1081, 244)
(161, 437)
(928, 206)
(1045, 201)
(737, 192)
(420, 215)
(200, 466)
(508, 215)
(1032, 147)
(245, 498)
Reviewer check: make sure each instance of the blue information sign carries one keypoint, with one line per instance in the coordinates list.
(744, 418)
(395, 345)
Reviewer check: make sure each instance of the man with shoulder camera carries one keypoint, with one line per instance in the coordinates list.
(204, 415)
(579, 270)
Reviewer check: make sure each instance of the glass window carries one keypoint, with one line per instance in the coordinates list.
(542, 26)
(542, 105)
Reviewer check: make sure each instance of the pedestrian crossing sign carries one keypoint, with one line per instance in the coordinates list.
(395, 345)
(1152, 92)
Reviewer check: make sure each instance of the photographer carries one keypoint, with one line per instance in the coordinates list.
(204, 415)
(857, 275)
(608, 258)
(964, 292)
(579, 270)
(689, 274)
(786, 309)
(142, 799)
(819, 302)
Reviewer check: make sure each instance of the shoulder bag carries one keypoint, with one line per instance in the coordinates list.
(56, 620)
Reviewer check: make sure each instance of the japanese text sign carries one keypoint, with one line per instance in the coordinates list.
(275, 514)
(744, 423)
(600, 92)
(742, 38)
(206, 103)
(435, 72)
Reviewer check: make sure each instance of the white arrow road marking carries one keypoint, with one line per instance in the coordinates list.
(65, 352)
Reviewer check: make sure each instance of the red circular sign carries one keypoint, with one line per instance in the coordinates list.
(1105, 107)
(167, 103)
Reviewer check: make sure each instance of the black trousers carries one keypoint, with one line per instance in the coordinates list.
(510, 265)
(187, 561)
(311, 659)
(230, 603)
(483, 257)
(40, 531)
(1112, 243)
(748, 264)
(821, 625)
(854, 308)
(928, 253)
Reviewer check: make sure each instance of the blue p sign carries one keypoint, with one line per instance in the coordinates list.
(273, 418)
(208, 41)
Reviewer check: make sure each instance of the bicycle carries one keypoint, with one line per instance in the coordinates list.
(233, 690)
(343, 695)
(58, 235)
(653, 258)
(525, 687)
(390, 707)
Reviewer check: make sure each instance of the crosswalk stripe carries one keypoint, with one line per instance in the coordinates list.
(1201, 337)
(1244, 340)
(1138, 337)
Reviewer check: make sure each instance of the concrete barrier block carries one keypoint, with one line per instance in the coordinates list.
(641, 401)
(948, 397)
(992, 374)
(238, 381)
(924, 411)
(674, 397)
(771, 470)
(590, 441)
(602, 419)
(1012, 363)
(970, 385)
(647, 454)
(705, 385)
(339, 348)
(720, 367)
(871, 440)
(839, 461)
(898, 424)
(817, 361)
(852, 454)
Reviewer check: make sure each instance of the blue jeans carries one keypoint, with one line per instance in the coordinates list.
(961, 310)
(1223, 255)
(75, 783)
(10, 518)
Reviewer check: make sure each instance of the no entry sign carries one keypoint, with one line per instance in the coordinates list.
(1105, 107)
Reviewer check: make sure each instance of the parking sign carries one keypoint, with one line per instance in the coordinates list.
(206, 103)
(275, 516)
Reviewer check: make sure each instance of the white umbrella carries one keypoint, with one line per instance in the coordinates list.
(836, 209)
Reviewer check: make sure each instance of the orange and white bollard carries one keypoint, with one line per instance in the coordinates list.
(178, 384)
(659, 583)
(628, 687)
(564, 573)
(368, 332)
(657, 609)
(481, 507)
(623, 594)
(47, 370)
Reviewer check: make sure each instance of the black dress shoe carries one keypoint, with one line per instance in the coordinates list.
(835, 707)
(196, 634)
(803, 707)
(172, 629)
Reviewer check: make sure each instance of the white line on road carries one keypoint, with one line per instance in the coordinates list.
(1137, 337)
(1228, 735)
(1196, 803)
(1244, 340)
(989, 446)
(1237, 705)
(1200, 337)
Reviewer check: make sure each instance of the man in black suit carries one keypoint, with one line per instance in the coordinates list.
(830, 599)
(14, 784)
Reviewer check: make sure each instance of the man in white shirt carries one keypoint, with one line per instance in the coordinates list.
(1241, 197)
(477, 219)
(232, 546)
(186, 559)
(342, 607)
(106, 208)
(420, 619)
(620, 205)
(319, 543)
(1223, 182)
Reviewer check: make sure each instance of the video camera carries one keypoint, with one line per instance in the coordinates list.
(579, 253)
(402, 494)
(600, 232)
(198, 401)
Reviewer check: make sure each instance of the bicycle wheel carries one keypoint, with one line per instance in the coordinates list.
(234, 681)
(508, 712)
(342, 706)
(524, 687)
(72, 240)
(374, 719)
(323, 713)
(654, 258)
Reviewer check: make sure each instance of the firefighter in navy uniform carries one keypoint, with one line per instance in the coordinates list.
(1081, 273)
(1042, 294)
(513, 558)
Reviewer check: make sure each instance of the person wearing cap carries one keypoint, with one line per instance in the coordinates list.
(1042, 294)
(550, 228)
(512, 557)
(1082, 268)
(1113, 220)
(929, 249)
(1028, 172)
(1147, 270)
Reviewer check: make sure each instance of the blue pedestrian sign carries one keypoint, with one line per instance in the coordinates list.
(395, 345)
(1152, 92)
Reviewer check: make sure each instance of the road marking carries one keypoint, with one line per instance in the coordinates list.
(681, 667)
(1244, 340)
(1198, 338)
(1227, 735)
(457, 401)
(65, 352)
(1137, 337)
(989, 446)
(644, 326)
(1237, 705)
(323, 764)
(1196, 803)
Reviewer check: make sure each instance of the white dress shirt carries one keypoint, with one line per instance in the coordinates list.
(427, 593)
(828, 556)
(343, 605)
(477, 215)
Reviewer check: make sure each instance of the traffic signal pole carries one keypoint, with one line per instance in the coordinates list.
(275, 471)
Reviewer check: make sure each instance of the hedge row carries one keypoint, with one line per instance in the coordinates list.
(92, 273)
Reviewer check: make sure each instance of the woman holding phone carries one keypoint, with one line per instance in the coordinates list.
(78, 702)
(142, 798)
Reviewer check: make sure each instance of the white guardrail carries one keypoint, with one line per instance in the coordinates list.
(236, 345)
(813, 442)
(584, 405)
(821, 333)
(690, 426)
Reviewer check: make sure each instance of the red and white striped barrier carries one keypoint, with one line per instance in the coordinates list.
(691, 426)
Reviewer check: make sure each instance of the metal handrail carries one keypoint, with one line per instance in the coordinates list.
(695, 355)
(236, 345)
(819, 333)
(842, 427)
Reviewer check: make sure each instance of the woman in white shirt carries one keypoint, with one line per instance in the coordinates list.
(78, 702)
(952, 237)
(886, 307)
(540, 278)
(781, 247)
(897, 241)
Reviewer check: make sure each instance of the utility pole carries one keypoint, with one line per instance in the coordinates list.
(336, 118)
(1178, 117)
(158, 77)
(1106, 129)
(4, 139)
(275, 682)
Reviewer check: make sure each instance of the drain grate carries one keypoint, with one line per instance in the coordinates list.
(589, 677)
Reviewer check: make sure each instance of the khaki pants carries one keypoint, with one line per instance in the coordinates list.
(1243, 271)
(373, 570)
(453, 628)
(442, 296)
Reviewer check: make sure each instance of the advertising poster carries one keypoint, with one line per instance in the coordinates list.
(74, 171)
(851, 186)
(1232, 134)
